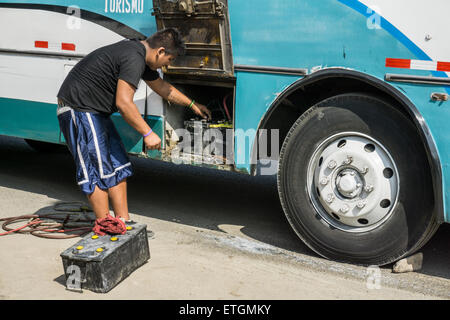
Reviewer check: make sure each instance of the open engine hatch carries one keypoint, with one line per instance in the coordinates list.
(205, 28)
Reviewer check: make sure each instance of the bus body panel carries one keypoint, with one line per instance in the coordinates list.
(295, 34)
(34, 64)
(325, 34)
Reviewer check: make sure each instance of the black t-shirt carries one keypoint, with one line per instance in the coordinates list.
(91, 85)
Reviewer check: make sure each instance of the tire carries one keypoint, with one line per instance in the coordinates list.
(355, 183)
(45, 147)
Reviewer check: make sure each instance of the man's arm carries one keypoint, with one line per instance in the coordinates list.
(130, 112)
(172, 94)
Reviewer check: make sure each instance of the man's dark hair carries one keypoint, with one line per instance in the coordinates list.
(168, 38)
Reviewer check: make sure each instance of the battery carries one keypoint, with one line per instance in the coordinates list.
(99, 263)
(209, 137)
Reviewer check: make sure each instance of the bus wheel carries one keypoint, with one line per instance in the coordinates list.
(45, 147)
(355, 183)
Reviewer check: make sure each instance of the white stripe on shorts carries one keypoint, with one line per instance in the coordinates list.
(80, 156)
(97, 150)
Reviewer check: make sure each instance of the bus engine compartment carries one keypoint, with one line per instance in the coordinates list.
(206, 74)
(191, 139)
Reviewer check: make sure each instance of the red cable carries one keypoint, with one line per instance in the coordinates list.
(15, 230)
(225, 106)
(65, 230)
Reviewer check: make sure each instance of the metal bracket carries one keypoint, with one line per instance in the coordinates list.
(438, 96)
(186, 6)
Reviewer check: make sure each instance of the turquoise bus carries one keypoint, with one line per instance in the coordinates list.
(344, 101)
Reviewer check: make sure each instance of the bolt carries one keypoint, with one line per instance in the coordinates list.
(348, 160)
(330, 198)
(332, 164)
(324, 181)
(358, 185)
(361, 204)
(368, 188)
(344, 209)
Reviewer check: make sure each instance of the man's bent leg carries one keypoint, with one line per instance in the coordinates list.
(118, 197)
(99, 202)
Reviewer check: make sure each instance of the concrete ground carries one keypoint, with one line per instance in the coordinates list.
(217, 235)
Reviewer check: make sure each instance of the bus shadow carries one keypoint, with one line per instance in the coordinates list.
(194, 196)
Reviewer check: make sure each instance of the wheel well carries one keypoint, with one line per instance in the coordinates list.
(307, 92)
(293, 104)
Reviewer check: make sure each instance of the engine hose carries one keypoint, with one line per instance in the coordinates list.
(225, 106)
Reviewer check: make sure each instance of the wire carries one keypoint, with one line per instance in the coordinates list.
(17, 229)
(225, 106)
(51, 226)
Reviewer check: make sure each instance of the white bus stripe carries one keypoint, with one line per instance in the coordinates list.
(423, 65)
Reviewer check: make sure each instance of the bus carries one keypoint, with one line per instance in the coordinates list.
(344, 101)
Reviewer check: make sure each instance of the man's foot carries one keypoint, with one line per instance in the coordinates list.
(125, 221)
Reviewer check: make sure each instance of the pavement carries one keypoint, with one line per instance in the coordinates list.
(216, 235)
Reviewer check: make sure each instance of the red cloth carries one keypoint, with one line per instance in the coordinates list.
(109, 225)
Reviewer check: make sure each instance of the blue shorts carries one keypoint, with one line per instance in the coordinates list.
(98, 151)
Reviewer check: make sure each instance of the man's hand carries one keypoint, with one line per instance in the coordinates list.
(170, 93)
(201, 110)
(152, 142)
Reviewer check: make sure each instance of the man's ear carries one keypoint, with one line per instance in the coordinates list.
(161, 51)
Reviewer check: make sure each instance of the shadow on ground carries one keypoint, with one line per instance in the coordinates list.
(199, 197)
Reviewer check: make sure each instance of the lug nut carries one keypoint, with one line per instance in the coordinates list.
(332, 164)
(324, 181)
(330, 198)
(368, 188)
(361, 204)
(344, 209)
(348, 160)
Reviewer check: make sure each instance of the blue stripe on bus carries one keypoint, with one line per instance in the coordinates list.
(396, 33)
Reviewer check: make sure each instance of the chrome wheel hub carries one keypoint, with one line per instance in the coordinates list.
(353, 182)
(349, 183)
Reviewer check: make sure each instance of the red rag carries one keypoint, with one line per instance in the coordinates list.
(109, 225)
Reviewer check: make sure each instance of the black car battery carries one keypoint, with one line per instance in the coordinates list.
(99, 263)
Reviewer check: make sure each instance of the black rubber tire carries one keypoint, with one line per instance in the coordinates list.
(45, 147)
(412, 221)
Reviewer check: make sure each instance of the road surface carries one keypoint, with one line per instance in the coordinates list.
(217, 235)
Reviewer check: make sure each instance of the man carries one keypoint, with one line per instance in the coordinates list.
(102, 83)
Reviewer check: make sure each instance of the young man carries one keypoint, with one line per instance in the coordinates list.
(102, 83)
